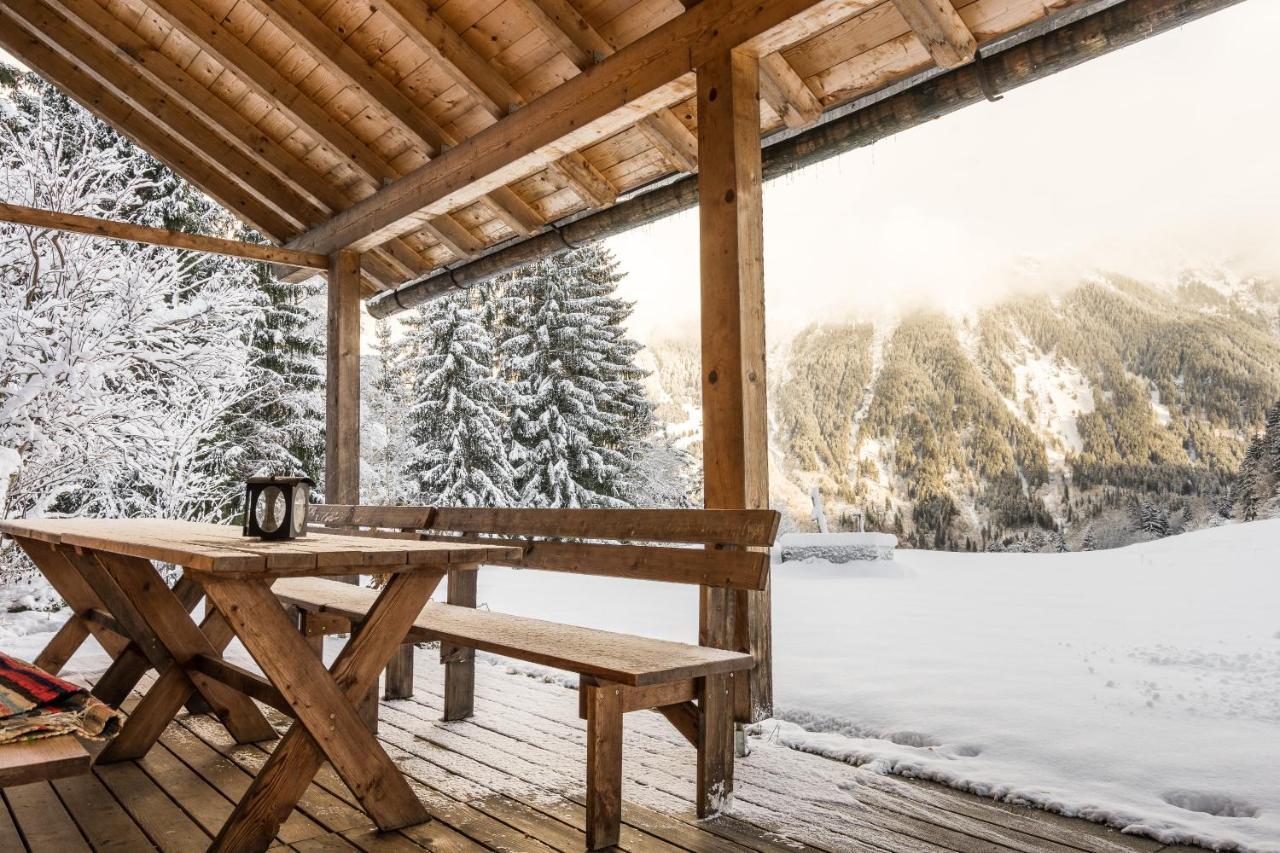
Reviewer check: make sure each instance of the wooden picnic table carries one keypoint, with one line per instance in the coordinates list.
(104, 570)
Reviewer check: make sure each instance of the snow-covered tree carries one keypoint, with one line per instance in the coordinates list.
(135, 380)
(456, 421)
(578, 412)
(385, 448)
(278, 427)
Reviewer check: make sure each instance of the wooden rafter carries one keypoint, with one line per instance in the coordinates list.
(584, 46)
(940, 29)
(647, 75)
(316, 198)
(789, 96)
(96, 227)
(494, 93)
(179, 156)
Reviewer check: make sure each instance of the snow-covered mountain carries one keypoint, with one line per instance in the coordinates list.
(1108, 412)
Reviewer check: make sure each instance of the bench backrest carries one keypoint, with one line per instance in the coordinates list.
(611, 542)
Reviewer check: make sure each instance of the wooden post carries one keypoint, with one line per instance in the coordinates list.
(460, 662)
(735, 435)
(342, 385)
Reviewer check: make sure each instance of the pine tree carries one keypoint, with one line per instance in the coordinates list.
(384, 423)
(1247, 480)
(578, 411)
(460, 458)
(279, 427)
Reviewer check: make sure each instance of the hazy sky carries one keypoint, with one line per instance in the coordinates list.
(1156, 156)
(1160, 155)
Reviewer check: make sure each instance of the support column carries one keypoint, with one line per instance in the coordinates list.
(342, 384)
(735, 431)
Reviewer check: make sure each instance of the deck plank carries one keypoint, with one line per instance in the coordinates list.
(43, 820)
(165, 823)
(102, 820)
(512, 778)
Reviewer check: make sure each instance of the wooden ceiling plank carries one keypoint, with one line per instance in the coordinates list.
(586, 178)
(788, 95)
(314, 37)
(214, 38)
(516, 212)
(584, 46)
(940, 29)
(64, 37)
(184, 90)
(494, 93)
(100, 101)
(649, 74)
(457, 59)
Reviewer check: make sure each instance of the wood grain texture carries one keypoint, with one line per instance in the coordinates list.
(95, 227)
(940, 29)
(621, 658)
(342, 380)
(459, 661)
(328, 724)
(41, 760)
(604, 764)
(223, 550)
(735, 413)
(715, 744)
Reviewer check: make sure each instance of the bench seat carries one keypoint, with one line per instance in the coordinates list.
(604, 655)
(42, 760)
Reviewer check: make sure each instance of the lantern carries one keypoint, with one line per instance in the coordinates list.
(276, 507)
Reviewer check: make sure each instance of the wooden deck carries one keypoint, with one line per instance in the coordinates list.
(511, 779)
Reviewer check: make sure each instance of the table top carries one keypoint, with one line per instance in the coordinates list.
(224, 550)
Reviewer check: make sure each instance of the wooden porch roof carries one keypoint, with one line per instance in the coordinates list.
(290, 112)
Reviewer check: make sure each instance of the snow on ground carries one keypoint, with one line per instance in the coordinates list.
(1060, 394)
(1138, 687)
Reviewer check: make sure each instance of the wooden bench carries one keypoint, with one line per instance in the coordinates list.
(42, 760)
(692, 686)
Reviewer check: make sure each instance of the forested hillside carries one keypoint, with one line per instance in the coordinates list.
(1114, 411)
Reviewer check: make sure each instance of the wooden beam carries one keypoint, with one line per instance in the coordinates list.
(734, 420)
(939, 28)
(789, 96)
(495, 94)
(179, 156)
(587, 181)
(319, 198)
(584, 46)
(1057, 45)
(645, 76)
(193, 21)
(339, 59)
(342, 384)
(434, 37)
(20, 215)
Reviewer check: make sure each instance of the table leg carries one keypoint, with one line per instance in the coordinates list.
(79, 596)
(129, 664)
(160, 623)
(327, 722)
(162, 702)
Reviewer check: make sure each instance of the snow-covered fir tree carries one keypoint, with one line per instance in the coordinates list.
(578, 411)
(1257, 486)
(279, 427)
(384, 423)
(456, 421)
(122, 363)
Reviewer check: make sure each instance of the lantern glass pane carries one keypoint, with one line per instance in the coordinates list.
(270, 509)
(299, 509)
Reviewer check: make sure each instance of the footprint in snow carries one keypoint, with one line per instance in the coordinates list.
(1218, 805)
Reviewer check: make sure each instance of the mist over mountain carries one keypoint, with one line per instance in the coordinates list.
(1108, 412)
